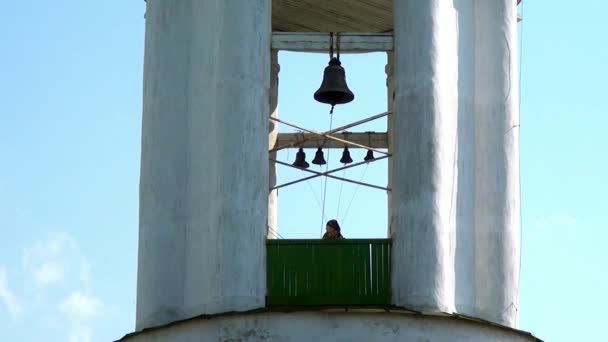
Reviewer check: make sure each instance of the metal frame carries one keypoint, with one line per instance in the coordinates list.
(327, 135)
(327, 174)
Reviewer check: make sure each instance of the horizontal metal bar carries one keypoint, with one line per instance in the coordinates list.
(308, 140)
(315, 173)
(327, 174)
(319, 42)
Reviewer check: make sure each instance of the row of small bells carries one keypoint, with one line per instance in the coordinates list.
(320, 158)
(333, 91)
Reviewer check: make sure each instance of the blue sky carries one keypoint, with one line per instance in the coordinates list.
(70, 130)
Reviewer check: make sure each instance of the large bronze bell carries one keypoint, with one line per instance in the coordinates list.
(333, 89)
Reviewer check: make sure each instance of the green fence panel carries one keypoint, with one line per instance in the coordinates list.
(328, 272)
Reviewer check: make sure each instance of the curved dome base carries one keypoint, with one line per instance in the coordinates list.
(330, 325)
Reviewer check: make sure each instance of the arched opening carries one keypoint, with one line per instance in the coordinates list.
(305, 207)
(302, 268)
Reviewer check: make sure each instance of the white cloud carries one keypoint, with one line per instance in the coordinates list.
(55, 258)
(80, 334)
(556, 221)
(49, 273)
(8, 298)
(53, 246)
(79, 306)
(79, 309)
(85, 272)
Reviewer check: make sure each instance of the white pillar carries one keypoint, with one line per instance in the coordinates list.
(273, 131)
(424, 126)
(204, 166)
(497, 205)
(389, 69)
(464, 266)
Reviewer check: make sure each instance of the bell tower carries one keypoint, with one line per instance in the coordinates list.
(209, 269)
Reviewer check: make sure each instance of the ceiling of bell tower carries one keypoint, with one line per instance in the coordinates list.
(332, 15)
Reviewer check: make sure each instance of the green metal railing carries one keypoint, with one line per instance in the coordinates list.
(328, 272)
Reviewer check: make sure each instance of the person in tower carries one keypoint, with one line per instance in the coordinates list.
(332, 230)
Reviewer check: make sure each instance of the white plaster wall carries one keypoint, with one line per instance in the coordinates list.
(204, 138)
(455, 171)
(331, 327)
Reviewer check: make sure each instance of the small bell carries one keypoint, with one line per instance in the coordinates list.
(301, 160)
(346, 159)
(333, 89)
(319, 159)
(369, 156)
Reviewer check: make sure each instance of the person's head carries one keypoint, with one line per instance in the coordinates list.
(332, 226)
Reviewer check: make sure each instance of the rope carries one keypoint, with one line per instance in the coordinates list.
(331, 45)
(275, 232)
(331, 119)
(340, 195)
(338, 45)
(313, 193)
(354, 194)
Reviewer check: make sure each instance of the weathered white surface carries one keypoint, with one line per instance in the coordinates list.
(455, 171)
(464, 182)
(424, 126)
(497, 197)
(205, 125)
(389, 70)
(320, 41)
(273, 130)
(314, 326)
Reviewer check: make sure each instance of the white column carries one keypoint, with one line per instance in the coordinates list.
(424, 126)
(389, 69)
(273, 130)
(464, 266)
(497, 205)
(204, 166)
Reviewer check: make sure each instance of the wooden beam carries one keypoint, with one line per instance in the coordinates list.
(319, 42)
(338, 129)
(329, 137)
(309, 140)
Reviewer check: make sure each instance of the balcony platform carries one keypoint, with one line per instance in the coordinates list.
(328, 272)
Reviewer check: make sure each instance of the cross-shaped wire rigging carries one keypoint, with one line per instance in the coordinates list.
(328, 135)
